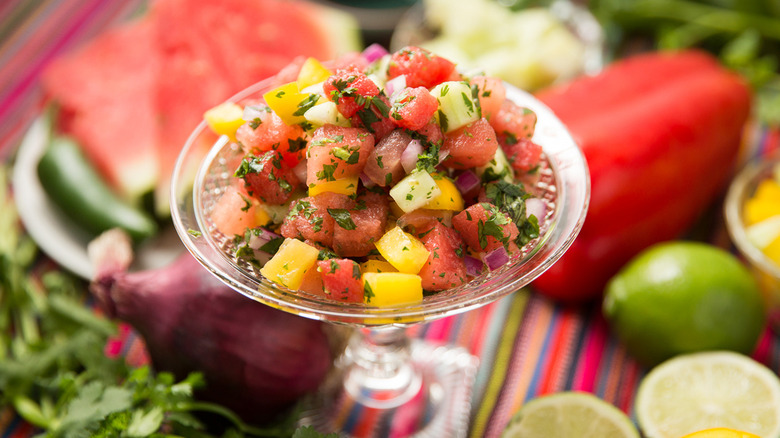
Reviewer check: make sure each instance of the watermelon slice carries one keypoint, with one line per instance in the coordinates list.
(218, 48)
(107, 100)
(134, 94)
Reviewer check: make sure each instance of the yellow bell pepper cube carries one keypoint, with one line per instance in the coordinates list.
(225, 119)
(345, 186)
(290, 263)
(312, 72)
(764, 204)
(773, 250)
(449, 198)
(384, 289)
(377, 266)
(404, 251)
(289, 103)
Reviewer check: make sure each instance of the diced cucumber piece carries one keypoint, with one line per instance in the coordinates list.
(276, 213)
(325, 113)
(457, 107)
(499, 165)
(414, 191)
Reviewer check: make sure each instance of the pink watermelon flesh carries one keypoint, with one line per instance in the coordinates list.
(106, 95)
(134, 94)
(218, 48)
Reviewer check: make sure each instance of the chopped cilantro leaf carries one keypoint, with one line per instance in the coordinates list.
(368, 293)
(342, 217)
(327, 172)
(429, 159)
(297, 144)
(272, 246)
(306, 104)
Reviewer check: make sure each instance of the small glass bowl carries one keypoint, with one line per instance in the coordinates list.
(766, 271)
(414, 29)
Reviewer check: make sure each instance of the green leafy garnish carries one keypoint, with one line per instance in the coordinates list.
(342, 217)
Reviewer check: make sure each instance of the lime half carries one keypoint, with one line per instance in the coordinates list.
(570, 414)
(704, 390)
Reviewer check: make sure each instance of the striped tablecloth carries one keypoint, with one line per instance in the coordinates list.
(527, 345)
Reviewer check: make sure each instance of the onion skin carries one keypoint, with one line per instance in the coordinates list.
(256, 360)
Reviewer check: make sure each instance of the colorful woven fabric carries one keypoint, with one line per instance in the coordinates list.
(527, 345)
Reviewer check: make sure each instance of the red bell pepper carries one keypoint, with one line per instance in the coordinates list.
(660, 133)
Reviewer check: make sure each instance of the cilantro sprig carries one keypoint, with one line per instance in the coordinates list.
(55, 375)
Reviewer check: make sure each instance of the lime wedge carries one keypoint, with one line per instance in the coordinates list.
(570, 414)
(704, 390)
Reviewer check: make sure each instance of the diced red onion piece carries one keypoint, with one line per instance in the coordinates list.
(252, 112)
(467, 181)
(373, 52)
(394, 86)
(473, 265)
(260, 239)
(410, 155)
(366, 180)
(536, 207)
(496, 258)
(443, 155)
(300, 171)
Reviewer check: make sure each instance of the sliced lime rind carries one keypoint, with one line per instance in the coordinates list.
(570, 414)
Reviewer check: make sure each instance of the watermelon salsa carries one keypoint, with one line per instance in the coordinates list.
(378, 180)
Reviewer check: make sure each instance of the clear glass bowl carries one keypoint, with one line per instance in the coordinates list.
(382, 371)
(766, 271)
(563, 184)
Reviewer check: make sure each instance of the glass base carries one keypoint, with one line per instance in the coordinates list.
(436, 403)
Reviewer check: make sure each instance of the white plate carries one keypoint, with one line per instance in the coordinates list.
(54, 233)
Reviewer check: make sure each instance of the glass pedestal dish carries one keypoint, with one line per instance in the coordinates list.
(407, 388)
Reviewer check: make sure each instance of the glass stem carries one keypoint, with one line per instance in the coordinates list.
(381, 374)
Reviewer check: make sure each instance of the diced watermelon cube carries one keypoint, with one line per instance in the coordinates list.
(419, 222)
(375, 118)
(513, 122)
(491, 94)
(309, 218)
(383, 166)
(337, 152)
(356, 230)
(351, 91)
(414, 108)
(342, 279)
(421, 67)
(445, 267)
(267, 131)
(432, 132)
(471, 146)
(268, 178)
(484, 228)
(234, 212)
(524, 155)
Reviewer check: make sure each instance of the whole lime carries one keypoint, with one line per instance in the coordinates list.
(681, 297)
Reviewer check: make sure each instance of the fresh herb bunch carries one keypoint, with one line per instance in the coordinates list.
(744, 34)
(54, 372)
